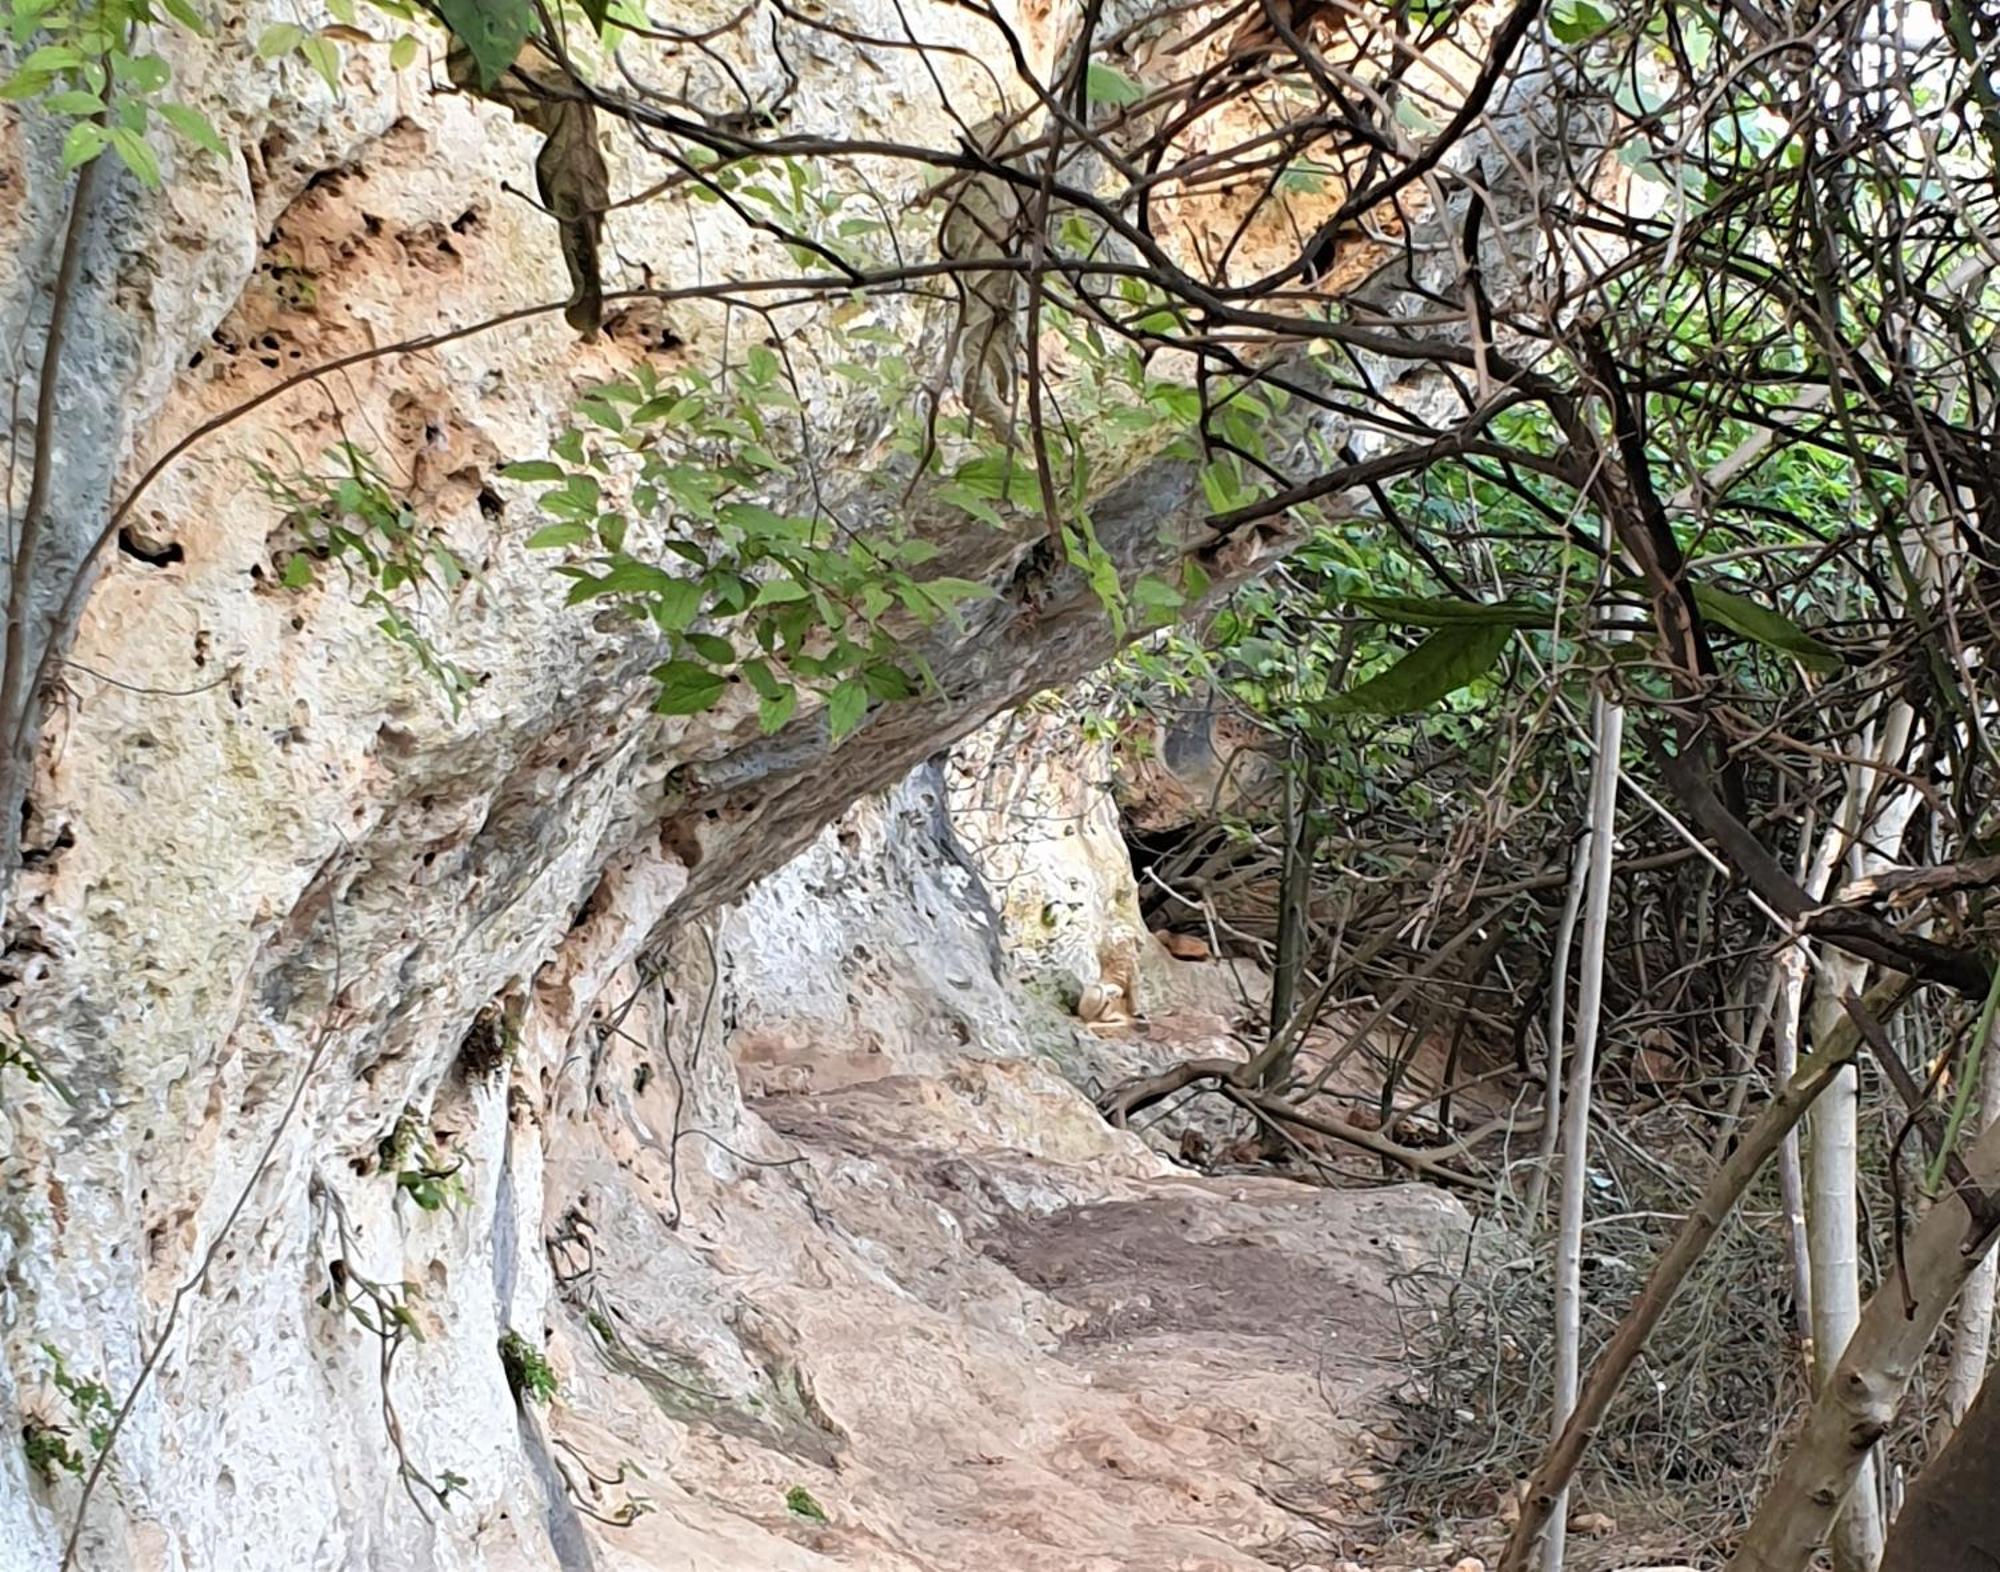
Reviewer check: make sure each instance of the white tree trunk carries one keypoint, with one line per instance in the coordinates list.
(1785, 1017)
(1866, 829)
(1833, 1224)
(1972, 1333)
(1552, 1034)
(1608, 735)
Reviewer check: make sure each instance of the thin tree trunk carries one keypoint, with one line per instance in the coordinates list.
(1866, 829)
(1972, 1332)
(1858, 1401)
(1791, 1169)
(1294, 893)
(1553, 1033)
(1761, 1140)
(1950, 1521)
(1815, 868)
(1609, 735)
(1833, 1222)
(1743, 1063)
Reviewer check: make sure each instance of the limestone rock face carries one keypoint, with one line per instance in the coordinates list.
(388, 1045)
(792, 1200)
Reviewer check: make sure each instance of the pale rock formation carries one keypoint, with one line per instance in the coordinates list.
(917, 1277)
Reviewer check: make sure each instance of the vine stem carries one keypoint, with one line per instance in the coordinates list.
(16, 693)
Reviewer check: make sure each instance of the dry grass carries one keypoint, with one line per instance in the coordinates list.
(1692, 1440)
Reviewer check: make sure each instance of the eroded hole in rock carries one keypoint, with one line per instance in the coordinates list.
(41, 854)
(137, 542)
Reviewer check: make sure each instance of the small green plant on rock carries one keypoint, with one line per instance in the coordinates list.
(89, 1401)
(800, 1502)
(17, 1056)
(349, 514)
(49, 1447)
(403, 1139)
(420, 1173)
(528, 1372)
(432, 1188)
(388, 1312)
(49, 1452)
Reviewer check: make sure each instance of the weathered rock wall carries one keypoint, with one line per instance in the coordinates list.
(795, 1199)
(271, 880)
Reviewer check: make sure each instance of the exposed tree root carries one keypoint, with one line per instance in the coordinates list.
(1233, 1079)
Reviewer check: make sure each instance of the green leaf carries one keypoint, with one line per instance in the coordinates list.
(281, 38)
(686, 688)
(730, 592)
(1424, 611)
(74, 101)
(636, 578)
(1441, 665)
(759, 523)
(1760, 625)
(693, 489)
(1577, 22)
(677, 605)
(532, 469)
(1001, 476)
(1218, 486)
(298, 571)
(845, 706)
(945, 593)
(194, 125)
(763, 679)
(600, 413)
(185, 14)
(775, 709)
(23, 84)
(323, 55)
(1104, 85)
(403, 52)
(581, 492)
(49, 59)
(552, 536)
(85, 141)
(887, 683)
(675, 411)
(141, 73)
(969, 501)
(712, 647)
(493, 30)
(1156, 594)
